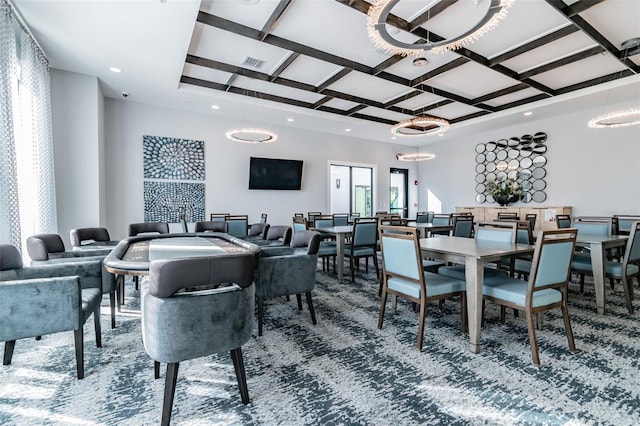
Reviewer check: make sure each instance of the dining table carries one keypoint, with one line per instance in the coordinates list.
(598, 246)
(473, 254)
(340, 232)
(426, 229)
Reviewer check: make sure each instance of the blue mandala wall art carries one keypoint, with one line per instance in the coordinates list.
(167, 201)
(172, 158)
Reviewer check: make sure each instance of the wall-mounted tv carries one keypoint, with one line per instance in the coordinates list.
(272, 173)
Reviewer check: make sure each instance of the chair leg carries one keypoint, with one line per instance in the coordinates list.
(423, 314)
(540, 320)
(628, 291)
(502, 313)
(353, 273)
(238, 366)
(156, 370)
(169, 392)
(464, 318)
(9, 345)
(260, 314)
(375, 263)
(119, 292)
(311, 309)
(533, 342)
(581, 283)
(112, 306)
(383, 302)
(97, 327)
(366, 265)
(299, 299)
(567, 326)
(79, 344)
(136, 281)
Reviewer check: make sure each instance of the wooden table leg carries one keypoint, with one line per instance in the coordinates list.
(597, 264)
(474, 272)
(340, 239)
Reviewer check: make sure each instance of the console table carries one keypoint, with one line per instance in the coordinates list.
(545, 220)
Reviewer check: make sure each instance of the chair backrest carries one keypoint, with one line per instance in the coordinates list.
(340, 219)
(298, 215)
(80, 236)
(496, 231)
(401, 255)
(212, 226)
(279, 232)
(299, 224)
(625, 223)
(258, 229)
(592, 225)
(324, 222)
(263, 218)
(462, 226)
(39, 246)
(508, 215)
(551, 264)
(632, 252)
(308, 239)
(238, 225)
(393, 221)
(563, 221)
(441, 219)
(311, 217)
(365, 233)
(148, 227)
(353, 216)
(531, 217)
(422, 217)
(524, 232)
(10, 257)
(216, 217)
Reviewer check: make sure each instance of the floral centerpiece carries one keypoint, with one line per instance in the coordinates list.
(506, 191)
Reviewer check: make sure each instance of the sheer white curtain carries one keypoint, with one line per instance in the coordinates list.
(27, 192)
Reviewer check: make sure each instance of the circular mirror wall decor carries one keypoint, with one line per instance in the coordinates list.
(539, 196)
(540, 137)
(480, 198)
(501, 155)
(526, 139)
(491, 177)
(526, 151)
(491, 167)
(491, 156)
(480, 178)
(480, 168)
(513, 175)
(539, 173)
(513, 142)
(480, 188)
(539, 149)
(480, 147)
(526, 185)
(525, 163)
(526, 197)
(539, 184)
(525, 174)
(501, 166)
(489, 198)
(502, 143)
(514, 153)
(491, 146)
(501, 176)
(480, 158)
(513, 164)
(539, 161)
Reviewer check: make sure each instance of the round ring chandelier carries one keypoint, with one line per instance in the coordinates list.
(416, 156)
(251, 135)
(379, 35)
(613, 120)
(420, 126)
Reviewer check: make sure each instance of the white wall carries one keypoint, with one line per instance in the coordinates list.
(227, 164)
(595, 171)
(77, 117)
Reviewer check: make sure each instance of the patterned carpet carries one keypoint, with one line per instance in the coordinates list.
(345, 371)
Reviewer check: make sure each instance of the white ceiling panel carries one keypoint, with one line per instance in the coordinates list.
(420, 101)
(341, 104)
(406, 69)
(241, 11)
(471, 80)
(333, 28)
(453, 110)
(205, 73)
(384, 113)
(616, 20)
(367, 86)
(577, 72)
(254, 87)
(555, 50)
(212, 43)
(309, 70)
(512, 97)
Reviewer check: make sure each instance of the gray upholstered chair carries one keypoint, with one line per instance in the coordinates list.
(258, 231)
(88, 236)
(278, 235)
(148, 228)
(196, 307)
(283, 271)
(238, 225)
(212, 226)
(363, 244)
(49, 249)
(46, 299)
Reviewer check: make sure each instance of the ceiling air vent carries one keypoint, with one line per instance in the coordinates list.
(252, 62)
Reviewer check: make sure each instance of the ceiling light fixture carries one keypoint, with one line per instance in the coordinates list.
(215, 107)
(115, 69)
(251, 135)
(377, 30)
(416, 156)
(622, 118)
(420, 126)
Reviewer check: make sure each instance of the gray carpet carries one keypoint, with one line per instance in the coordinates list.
(345, 371)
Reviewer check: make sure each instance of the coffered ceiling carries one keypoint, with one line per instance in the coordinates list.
(314, 57)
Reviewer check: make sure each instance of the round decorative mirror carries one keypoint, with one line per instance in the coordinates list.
(480, 198)
(491, 177)
(514, 153)
(539, 184)
(526, 139)
(502, 143)
(526, 197)
(526, 151)
(491, 167)
(513, 142)
(480, 188)
(526, 185)
(491, 146)
(539, 149)
(513, 174)
(491, 156)
(500, 176)
(525, 163)
(480, 158)
(539, 161)
(480, 168)
(480, 147)
(540, 137)
(539, 196)
(480, 178)
(501, 155)
(490, 199)
(513, 164)
(501, 166)
(539, 173)
(525, 174)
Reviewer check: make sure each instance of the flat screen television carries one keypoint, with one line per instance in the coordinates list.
(272, 173)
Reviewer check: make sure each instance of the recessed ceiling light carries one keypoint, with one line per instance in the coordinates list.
(250, 2)
(115, 69)
(528, 113)
(347, 130)
(441, 135)
(215, 107)
(393, 137)
(289, 120)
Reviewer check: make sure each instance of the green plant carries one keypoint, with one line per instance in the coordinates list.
(505, 188)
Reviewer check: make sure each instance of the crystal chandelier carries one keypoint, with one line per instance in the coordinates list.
(420, 126)
(251, 135)
(376, 28)
(416, 156)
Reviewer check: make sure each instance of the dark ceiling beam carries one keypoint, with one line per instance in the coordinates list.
(204, 83)
(402, 98)
(441, 69)
(376, 119)
(581, 6)
(578, 21)
(520, 102)
(498, 93)
(230, 81)
(337, 76)
(596, 81)
(283, 66)
(386, 64)
(469, 117)
(556, 35)
(422, 110)
(322, 102)
(352, 98)
(221, 66)
(443, 93)
(431, 13)
(274, 18)
(356, 109)
(595, 50)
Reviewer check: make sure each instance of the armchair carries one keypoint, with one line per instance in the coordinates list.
(212, 226)
(46, 299)
(148, 228)
(90, 236)
(284, 271)
(196, 307)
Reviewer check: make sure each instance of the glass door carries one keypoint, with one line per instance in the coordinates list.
(398, 190)
(351, 189)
